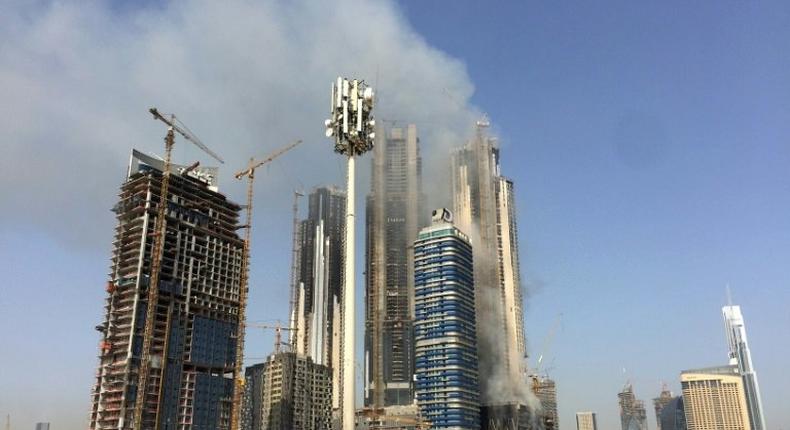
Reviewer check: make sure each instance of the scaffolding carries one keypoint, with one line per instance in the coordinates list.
(193, 336)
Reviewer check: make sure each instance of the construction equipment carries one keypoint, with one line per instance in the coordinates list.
(278, 338)
(249, 172)
(160, 230)
(294, 257)
(547, 343)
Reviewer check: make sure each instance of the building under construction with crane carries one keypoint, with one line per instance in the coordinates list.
(184, 342)
(633, 415)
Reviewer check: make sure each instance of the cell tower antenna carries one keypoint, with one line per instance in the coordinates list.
(352, 128)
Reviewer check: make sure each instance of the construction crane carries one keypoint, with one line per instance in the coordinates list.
(249, 172)
(278, 329)
(547, 343)
(294, 256)
(160, 229)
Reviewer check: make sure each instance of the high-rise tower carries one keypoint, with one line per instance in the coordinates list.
(196, 314)
(714, 399)
(586, 421)
(633, 415)
(287, 392)
(742, 358)
(660, 402)
(484, 207)
(445, 335)
(319, 281)
(545, 390)
(393, 218)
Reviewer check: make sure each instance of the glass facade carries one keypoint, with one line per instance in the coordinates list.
(444, 328)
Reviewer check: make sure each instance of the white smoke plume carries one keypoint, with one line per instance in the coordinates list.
(246, 76)
(499, 385)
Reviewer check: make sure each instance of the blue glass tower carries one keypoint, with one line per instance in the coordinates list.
(444, 322)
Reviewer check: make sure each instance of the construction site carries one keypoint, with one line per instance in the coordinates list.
(172, 341)
(172, 358)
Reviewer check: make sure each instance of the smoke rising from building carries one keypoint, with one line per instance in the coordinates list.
(247, 76)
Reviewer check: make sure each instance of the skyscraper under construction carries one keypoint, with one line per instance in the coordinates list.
(633, 415)
(545, 390)
(393, 218)
(193, 348)
(319, 281)
(484, 207)
(661, 402)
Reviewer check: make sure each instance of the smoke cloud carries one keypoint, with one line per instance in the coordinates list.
(499, 385)
(245, 76)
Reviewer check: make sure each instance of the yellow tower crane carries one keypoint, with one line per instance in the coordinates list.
(249, 172)
(160, 229)
(278, 337)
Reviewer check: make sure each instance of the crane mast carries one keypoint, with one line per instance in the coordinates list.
(249, 172)
(294, 277)
(278, 337)
(160, 231)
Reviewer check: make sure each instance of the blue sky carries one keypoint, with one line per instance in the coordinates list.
(648, 143)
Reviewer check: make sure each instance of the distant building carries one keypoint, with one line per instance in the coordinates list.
(444, 326)
(741, 356)
(392, 417)
(484, 208)
(633, 415)
(196, 317)
(546, 391)
(586, 421)
(673, 416)
(394, 215)
(660, 402)
(287, 392)
(714, 399)
(319, 269)
(42, 426)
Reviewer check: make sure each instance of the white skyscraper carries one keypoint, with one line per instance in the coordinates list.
(484, 206)
(586, 421)
(741, 356)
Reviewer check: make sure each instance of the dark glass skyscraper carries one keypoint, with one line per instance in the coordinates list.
(392, 222)
(319, 280)
(444, 321)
